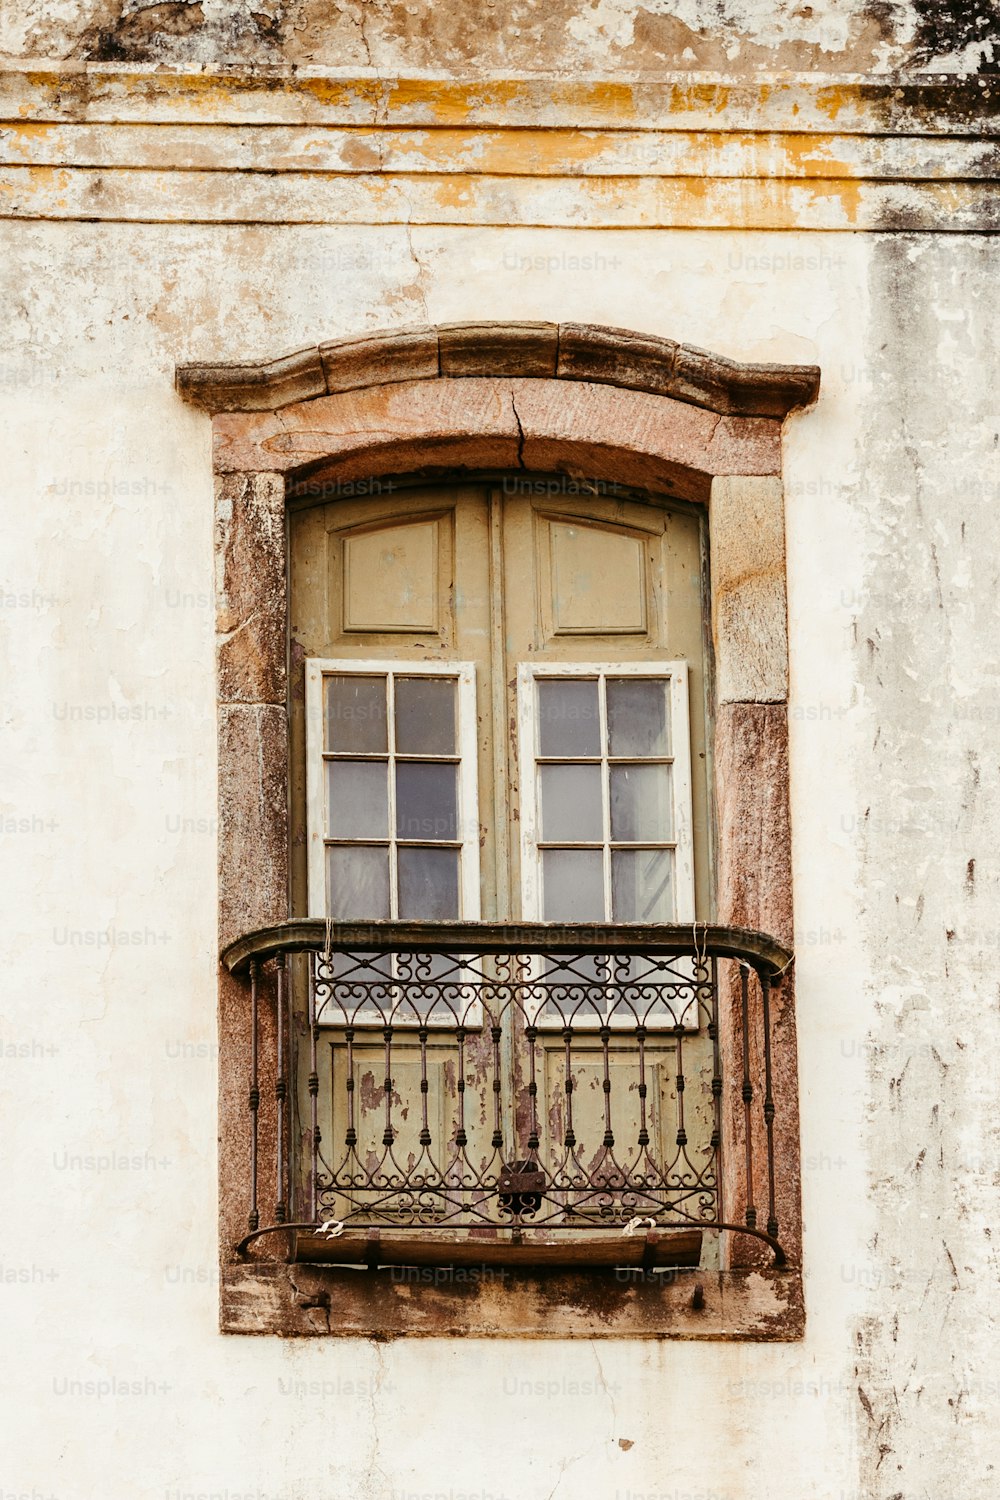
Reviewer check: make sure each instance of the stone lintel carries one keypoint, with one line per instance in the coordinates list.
(566, 351)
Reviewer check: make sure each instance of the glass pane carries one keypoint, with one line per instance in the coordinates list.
(571, 804)
(425, 716)
(569, 717)
(357, 799)
(428, 884)
(641, 803)
(357, 879)
(642, 885)
(426, 800)
(638, 722)
(355, 715)
(573, 885)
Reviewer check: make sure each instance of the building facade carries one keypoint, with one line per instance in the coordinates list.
(499, 470)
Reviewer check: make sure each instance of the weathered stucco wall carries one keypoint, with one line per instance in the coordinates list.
(611, 36)
(121, 1383)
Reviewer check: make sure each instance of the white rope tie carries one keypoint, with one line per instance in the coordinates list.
(700, 950)
(635, 1225)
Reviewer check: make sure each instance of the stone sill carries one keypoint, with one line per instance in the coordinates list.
(295, 1300)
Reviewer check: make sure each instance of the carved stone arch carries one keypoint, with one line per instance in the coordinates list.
(597, 403)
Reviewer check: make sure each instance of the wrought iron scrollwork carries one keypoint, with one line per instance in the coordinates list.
(475, 1079)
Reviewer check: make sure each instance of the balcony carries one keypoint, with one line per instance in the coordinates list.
(510, 1094)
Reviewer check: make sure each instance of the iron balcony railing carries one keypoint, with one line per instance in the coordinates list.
(442, 1092)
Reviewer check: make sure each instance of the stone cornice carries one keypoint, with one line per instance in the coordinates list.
(566, 351)
(115, 93)
(115, 144)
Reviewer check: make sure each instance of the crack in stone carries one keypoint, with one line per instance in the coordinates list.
(520, 432)
(364, 38)
(422, 270)
(607, 1388)
(375, 1391)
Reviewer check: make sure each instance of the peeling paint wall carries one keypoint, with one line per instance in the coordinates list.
(849, 36)
(927, 698)
(121, 1383)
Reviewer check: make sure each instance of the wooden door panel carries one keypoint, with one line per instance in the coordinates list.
(395, 578)
(591, 581)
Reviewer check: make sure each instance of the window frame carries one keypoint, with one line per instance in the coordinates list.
(676, 451)
(464, 674)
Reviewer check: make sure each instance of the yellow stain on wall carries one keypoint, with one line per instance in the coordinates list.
(22, 138)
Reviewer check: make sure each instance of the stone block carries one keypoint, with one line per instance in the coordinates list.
(251, 606)
(749, 611)
(380, 359)
(735, 389)
(253, 818)
(387, 429)
(616, 356)
(254, 387)
(491, 349)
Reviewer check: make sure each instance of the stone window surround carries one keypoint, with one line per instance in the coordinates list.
(590, 402)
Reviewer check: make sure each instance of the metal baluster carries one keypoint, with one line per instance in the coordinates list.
(640, 1037)
(387, 1134)
(313, 1089)
(772, 1217)
(570, 1137)
(461, 1139)
(425, 1134)
(351, 1138)
(496, 1032)
(281, 1096)
(751, 1211)
(253, 1218)
(609, 1137)
(681, 1132)
(531, 1036)
(713, 1031)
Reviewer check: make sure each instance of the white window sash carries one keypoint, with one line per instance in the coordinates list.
(676, 674)
(464, 673)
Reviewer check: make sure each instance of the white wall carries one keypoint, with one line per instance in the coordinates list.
(108, 804)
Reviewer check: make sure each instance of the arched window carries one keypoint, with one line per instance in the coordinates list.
(492, 830)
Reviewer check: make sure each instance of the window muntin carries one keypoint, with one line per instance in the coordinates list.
(391, 790)
(606, 825)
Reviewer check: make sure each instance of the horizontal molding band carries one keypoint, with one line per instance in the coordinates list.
(488, 151)
(917, 104)
(133, 195)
